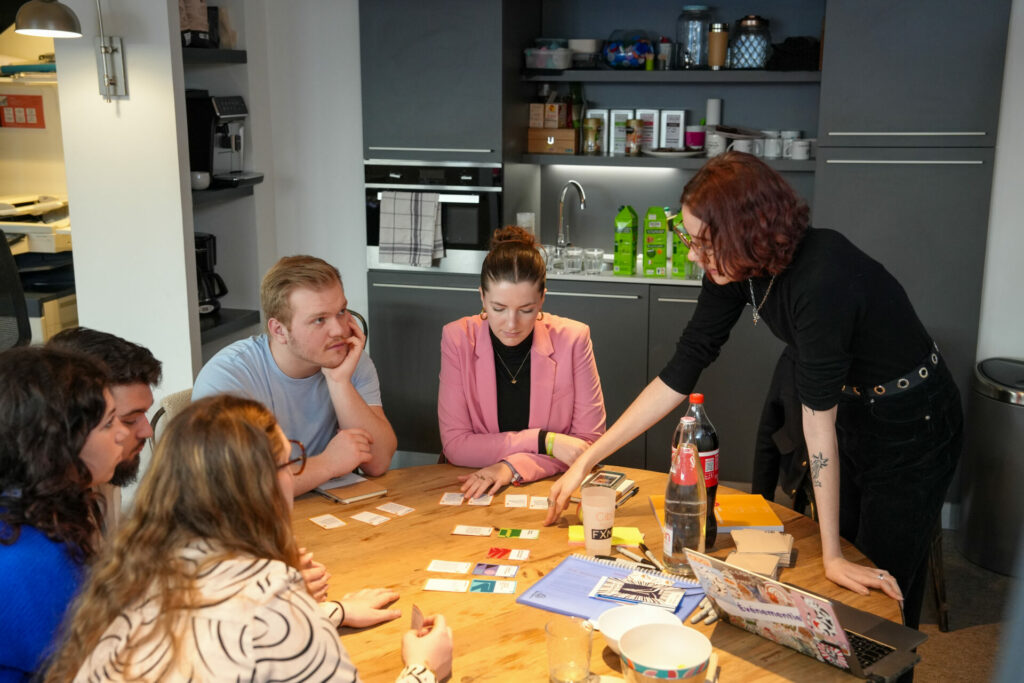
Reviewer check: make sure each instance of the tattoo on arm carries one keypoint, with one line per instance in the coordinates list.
(818, 463)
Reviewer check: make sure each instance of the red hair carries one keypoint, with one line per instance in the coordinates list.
(755, 220)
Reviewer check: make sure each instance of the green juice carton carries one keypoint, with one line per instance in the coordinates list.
(655, 244)
(681, 266)
(626, 228)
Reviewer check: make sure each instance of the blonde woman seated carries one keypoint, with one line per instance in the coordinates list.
(203, 582)
(519, 394)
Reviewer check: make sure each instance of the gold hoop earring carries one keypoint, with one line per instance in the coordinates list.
(540, 316)
(483, 314)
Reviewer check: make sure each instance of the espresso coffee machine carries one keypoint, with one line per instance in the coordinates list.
(211, 286)
(217, 138)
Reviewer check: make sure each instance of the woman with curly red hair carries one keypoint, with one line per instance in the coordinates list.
(880, 412)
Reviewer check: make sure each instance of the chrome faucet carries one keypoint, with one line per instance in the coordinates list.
(563, 228)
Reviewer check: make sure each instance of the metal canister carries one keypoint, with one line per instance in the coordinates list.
(634, 134)
(718, 45)
(751, 44)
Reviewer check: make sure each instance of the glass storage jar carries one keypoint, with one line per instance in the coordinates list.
(692, 37)
(751, 43)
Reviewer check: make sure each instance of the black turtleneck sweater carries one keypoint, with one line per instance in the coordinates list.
(513, 399)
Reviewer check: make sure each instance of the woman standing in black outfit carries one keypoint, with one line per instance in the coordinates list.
(881, 413)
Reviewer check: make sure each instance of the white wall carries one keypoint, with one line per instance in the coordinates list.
(312, 60)
(126, 171)
(1001, 330)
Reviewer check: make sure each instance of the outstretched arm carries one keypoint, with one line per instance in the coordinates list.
(823, 450)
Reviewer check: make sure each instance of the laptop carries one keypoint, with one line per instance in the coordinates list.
(856, 641)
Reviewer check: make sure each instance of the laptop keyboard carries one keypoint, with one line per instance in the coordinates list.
(868, 651)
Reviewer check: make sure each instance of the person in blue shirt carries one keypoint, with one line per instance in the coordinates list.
(311, 371)
(59, 439)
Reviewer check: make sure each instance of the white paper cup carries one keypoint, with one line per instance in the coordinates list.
(597, 505)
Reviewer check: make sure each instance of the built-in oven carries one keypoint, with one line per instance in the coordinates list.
(469, 193)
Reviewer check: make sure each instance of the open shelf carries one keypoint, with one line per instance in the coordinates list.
(637, 76)
(220, 194)
(225, 322)
(202, 55)
(781, 165)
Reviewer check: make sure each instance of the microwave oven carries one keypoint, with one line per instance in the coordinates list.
(470, 195)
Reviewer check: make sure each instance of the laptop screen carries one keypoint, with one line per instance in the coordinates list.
(773, 610)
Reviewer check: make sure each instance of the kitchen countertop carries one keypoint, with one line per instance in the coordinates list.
(607, 277)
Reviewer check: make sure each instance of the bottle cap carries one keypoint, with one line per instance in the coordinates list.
(696, 398)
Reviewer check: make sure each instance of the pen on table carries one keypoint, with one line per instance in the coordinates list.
(650, 556)
(632, 492)
(612, 558)
(633, 556)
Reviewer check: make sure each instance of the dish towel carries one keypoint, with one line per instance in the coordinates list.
(410, 228)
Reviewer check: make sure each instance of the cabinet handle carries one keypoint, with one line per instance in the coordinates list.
(432, 149)
(433, 188)
(594, 296)
(432, 287)
(913, 133)
(666, 300)
(919, 162)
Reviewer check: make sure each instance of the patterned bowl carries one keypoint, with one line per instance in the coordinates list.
(664, 652)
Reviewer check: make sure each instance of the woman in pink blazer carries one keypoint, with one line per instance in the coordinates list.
(519, 393)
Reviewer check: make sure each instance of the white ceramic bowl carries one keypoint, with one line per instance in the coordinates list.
(616, 621)
(664, 651)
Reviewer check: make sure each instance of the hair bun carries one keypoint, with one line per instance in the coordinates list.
(513, 234)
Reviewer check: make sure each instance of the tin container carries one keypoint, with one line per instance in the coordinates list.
(634, 137)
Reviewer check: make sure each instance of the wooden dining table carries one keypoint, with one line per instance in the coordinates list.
(496, 639)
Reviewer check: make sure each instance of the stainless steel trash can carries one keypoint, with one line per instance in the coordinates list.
(993, 474)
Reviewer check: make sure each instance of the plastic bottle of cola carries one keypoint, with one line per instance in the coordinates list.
(707, 445)
(685, 500)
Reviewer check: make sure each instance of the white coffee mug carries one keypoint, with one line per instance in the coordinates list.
(743, 145)
(772, 148)
(800, 150)
(787, 142)
(758, 147)
(200, 180)
(715, 144)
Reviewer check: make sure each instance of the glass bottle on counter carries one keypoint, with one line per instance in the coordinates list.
(685, 500)
(706, 439)
(692, 37)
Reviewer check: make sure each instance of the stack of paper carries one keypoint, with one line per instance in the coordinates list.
(760, 551)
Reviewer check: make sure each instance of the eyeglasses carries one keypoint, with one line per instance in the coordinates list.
(677, 225)
(297, 461)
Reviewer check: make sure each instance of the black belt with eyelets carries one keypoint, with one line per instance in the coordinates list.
(918, 375)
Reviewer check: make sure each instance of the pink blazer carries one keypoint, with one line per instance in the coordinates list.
(565, 395)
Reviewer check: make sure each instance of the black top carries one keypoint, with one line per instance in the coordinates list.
(845, 316)
(513, 399)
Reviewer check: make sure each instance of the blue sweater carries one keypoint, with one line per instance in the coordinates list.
(39, 582)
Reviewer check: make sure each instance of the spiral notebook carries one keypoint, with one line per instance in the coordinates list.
(566, 588)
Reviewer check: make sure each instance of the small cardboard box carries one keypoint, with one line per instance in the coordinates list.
(537, 114)
(655, 242)
(626, 228)
(551, 141)
(556, 115)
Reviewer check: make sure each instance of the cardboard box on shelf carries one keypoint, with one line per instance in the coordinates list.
(551, 141)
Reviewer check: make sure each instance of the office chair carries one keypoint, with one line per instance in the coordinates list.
(362, 322)
(170, 405)
(14, 325)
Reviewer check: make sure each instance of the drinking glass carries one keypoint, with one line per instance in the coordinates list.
(573, 259)
(568, 649)
(593, 261)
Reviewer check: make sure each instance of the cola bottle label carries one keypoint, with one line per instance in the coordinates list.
(684, 471)
(709, 465)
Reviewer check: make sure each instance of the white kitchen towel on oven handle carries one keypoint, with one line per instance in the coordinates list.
(410, 228)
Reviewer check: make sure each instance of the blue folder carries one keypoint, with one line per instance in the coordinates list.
(566, 588)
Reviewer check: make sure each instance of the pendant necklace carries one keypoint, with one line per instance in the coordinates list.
(753, 301)
(510, 375)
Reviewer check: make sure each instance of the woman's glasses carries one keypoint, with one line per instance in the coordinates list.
(297, 460)
(677, 224)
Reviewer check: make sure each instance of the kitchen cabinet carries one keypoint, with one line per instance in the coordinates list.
(407, 312)
(433, 76)
(617, 316)
(911, 74)
(922, 213)
(735, 385)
